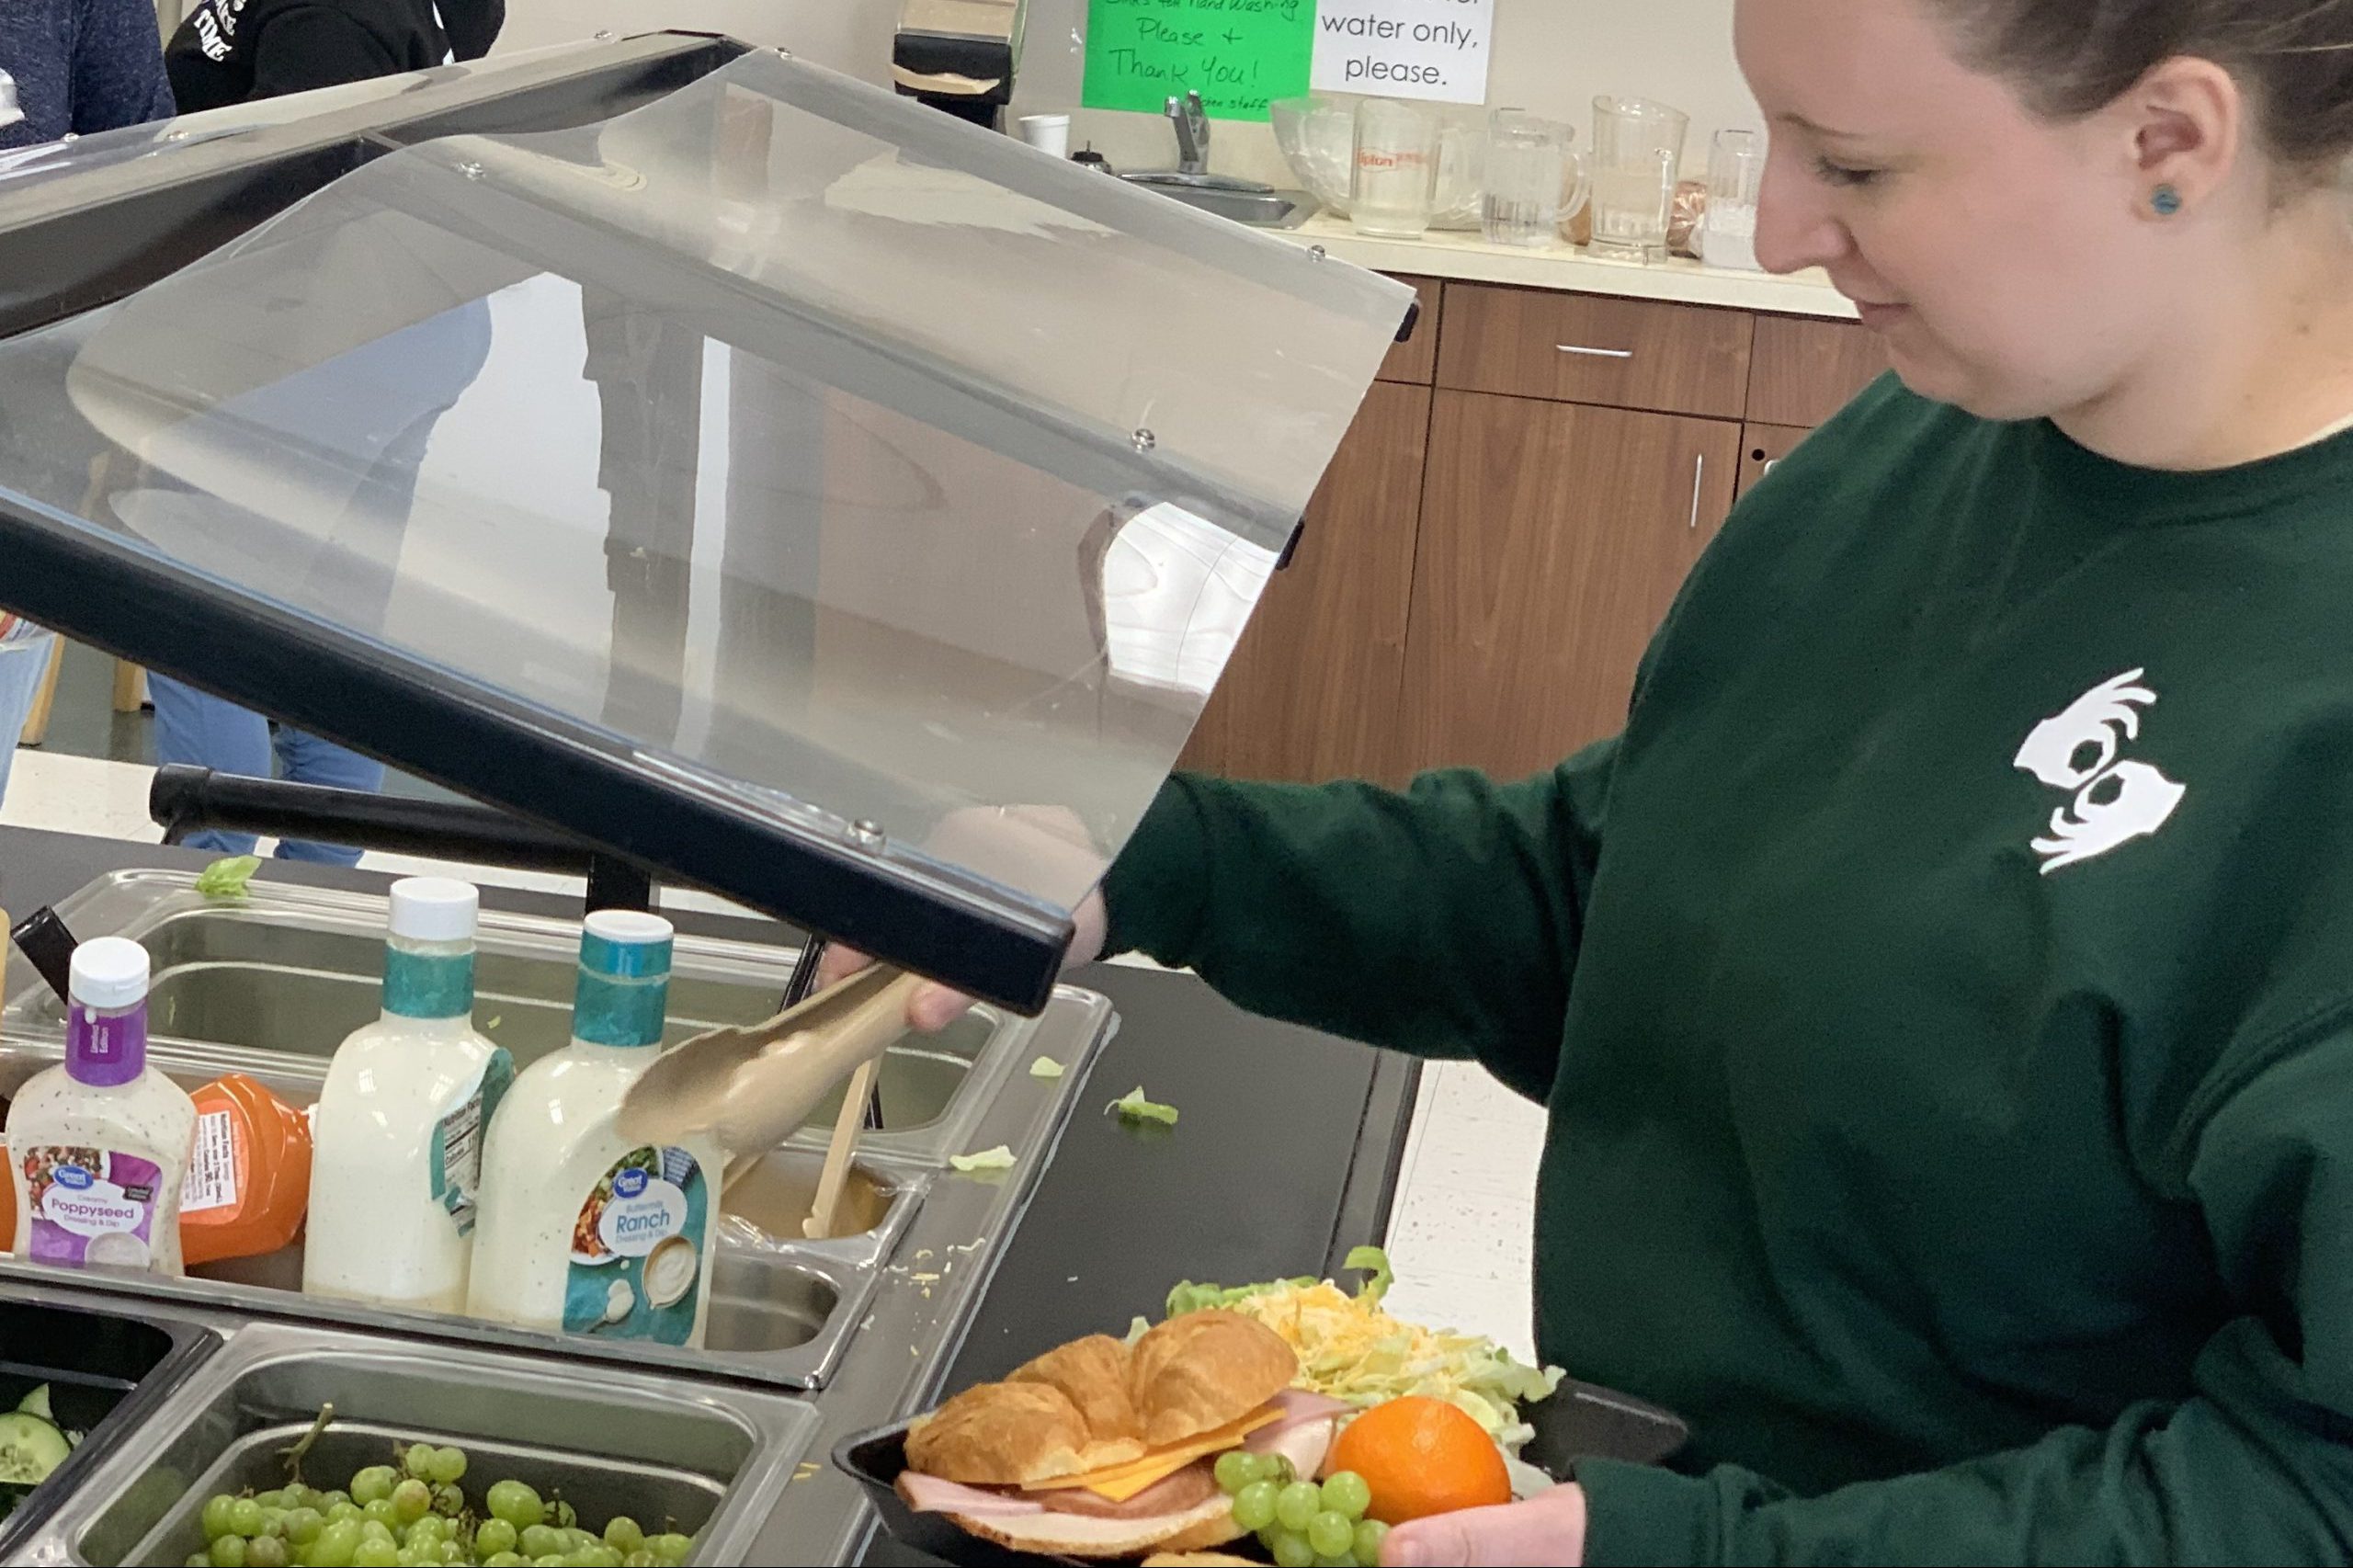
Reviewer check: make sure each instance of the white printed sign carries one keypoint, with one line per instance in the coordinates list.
(1405, 49)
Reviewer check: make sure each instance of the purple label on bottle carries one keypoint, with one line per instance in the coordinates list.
(90, 1208)
(106, 1049)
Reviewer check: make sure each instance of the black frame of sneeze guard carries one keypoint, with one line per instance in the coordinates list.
(138, 223)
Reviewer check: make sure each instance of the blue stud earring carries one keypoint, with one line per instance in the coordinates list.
(2166, 200)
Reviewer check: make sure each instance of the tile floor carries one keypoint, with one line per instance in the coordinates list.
(1461, 1236)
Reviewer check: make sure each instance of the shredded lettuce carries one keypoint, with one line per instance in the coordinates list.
(226, 878)
(998, 1159)
(1352, 1349)
(1045, 1067)
(1134, 1106)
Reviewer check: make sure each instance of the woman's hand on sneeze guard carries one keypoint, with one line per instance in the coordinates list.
(1022, 846)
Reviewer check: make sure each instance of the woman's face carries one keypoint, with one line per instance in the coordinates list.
(2003, 256)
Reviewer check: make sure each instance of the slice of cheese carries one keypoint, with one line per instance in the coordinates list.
(1118, 1482)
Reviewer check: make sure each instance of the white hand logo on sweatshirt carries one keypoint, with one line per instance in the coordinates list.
(2115, 800)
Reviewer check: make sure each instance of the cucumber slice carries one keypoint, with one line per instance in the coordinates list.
(36, 1404)
(29, 1448)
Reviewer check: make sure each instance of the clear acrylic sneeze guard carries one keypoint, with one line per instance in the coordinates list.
(770, 484)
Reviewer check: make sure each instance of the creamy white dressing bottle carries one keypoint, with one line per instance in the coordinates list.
(397, 1138)
(582, 1230)
(99, 1147)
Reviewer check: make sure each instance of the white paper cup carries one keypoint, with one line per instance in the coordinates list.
(1046, 132)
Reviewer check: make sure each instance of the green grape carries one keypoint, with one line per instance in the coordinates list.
(552, 1559)
(1254, 1506)
(333, 1498)
(449, 1500)
(1291, 1550)
(302, 1525)
(380, 1512)
(273, 1500)
(335, 1544)
(245, 1516)
(540, 1540)
(425, 1530)
(1345, 1493)
(671, 1548)
(346, 1512)
(229, 1551)
(200, 1560)
(448, 1466)
(1236, 1470)
(622, 1534)
(505, 1559)
(273, 1521)
(641, 1558)
(1332, 1534)
(377, 1481)
(515, 1502)
(452, 1551)
(495, 1536)
(418, 1461)
(1370, 1535)
(410, 1501)
(1297, 1505)
(375, 1554)
(1343, 1561)
(216, 1517)
(376, 1529)
(563, 1516)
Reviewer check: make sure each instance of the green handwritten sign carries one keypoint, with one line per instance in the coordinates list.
(1239, 55)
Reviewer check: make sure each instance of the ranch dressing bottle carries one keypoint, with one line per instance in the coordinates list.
(582, 1230)
(396, 1163)
(99, 1147)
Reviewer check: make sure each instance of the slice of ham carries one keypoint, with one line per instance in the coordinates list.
(1306, 1445)
(1189, 1488)
(930, 1495)
(1298, 1406)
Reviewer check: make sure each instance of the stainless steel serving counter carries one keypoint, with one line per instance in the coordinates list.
(1285, 1158)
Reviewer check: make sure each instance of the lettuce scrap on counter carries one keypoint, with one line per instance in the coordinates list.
(1351, 1349)
(227, 877)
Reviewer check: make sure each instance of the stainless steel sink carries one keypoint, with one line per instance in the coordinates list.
(1259, 209)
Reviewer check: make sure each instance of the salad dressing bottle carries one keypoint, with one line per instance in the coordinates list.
(396, 1166)
(582, 1230)
(98, 1148)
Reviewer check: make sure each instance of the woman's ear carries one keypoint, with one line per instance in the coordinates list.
(2187, 119)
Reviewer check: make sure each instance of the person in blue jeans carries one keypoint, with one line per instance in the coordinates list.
(75, 66)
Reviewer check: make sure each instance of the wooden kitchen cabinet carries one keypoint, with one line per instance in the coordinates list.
(1596, 348)
(1553, 539)
(1312, 692)
(1762, 446)
(1802, 371)
(1416, 359)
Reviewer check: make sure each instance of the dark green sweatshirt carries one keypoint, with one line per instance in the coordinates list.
(1942, 993)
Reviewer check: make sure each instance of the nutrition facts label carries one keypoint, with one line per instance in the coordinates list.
(213, 1171)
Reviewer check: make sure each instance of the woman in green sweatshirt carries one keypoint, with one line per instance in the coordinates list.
(1942, 991)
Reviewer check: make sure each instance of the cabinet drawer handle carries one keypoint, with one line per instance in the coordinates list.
(1595, 353)
(1698, 477)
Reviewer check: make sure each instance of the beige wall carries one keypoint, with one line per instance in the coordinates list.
(1550, 55)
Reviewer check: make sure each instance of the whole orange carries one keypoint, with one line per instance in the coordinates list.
(1420, 1457)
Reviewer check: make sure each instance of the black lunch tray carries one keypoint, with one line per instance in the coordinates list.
(1578, 1422)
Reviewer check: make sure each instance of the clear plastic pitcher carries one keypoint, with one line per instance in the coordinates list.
(1535, 179)
(1395, 176)
(1637, 152)
(1735, 178)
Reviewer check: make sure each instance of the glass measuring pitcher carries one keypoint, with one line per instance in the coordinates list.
(1637, 150)
(1535, 179)
(1395, 178)
(1735, 178)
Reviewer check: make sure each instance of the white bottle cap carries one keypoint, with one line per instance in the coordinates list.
(435, 909)
(109, 972)
(629, 927)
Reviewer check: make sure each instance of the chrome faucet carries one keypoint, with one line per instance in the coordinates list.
(1192, 123)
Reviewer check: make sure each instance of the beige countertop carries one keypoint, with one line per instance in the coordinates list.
(1469, 257)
